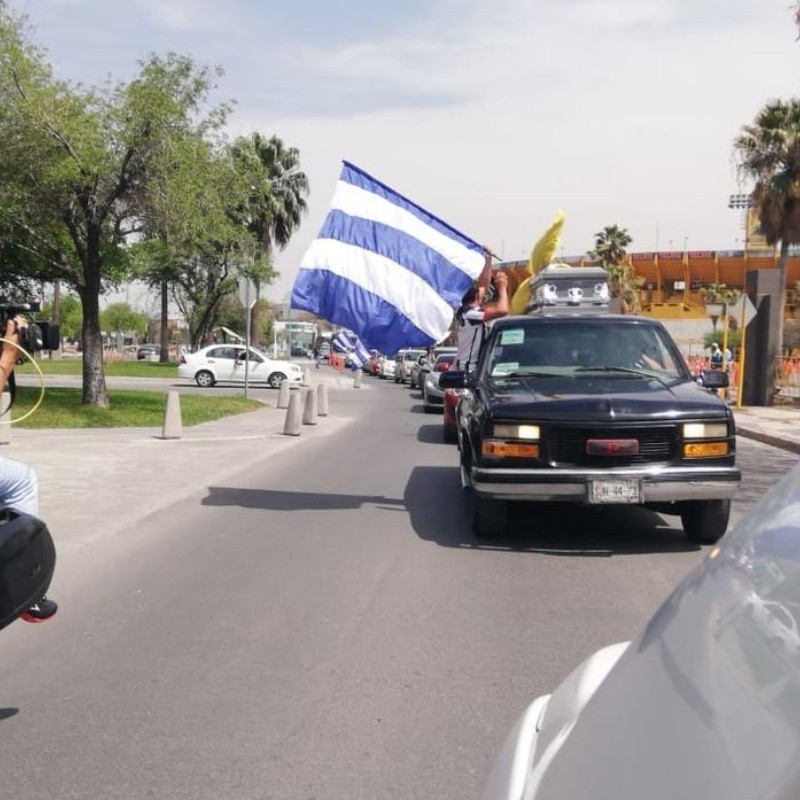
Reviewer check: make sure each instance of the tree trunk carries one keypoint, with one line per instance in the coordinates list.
(783, 266)
(94, 379)
(164, 338)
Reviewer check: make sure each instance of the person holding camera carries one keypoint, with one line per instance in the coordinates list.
(19, 487)
(476, 310)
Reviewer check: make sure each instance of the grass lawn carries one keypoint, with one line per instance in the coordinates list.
(62, 408)
(117, 369)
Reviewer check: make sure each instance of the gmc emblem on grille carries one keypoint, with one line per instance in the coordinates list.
(612, 447)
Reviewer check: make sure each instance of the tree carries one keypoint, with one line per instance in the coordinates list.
(768, 153)
(76, 165)
(277, 200)
(121, 317)
(609, 251)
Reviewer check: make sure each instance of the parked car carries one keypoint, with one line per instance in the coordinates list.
(147, 350)
(375, 363)
(404, 361)
(450, 429)
(387, 367)
(225, 363)
(705, 702)
(423, 366)
(432, 393)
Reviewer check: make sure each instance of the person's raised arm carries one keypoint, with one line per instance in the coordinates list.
(499, 307)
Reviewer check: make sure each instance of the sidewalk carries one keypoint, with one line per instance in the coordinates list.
(778, 426)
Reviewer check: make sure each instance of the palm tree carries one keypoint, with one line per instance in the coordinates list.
(609, 251)
(768, 152)
(278, 197)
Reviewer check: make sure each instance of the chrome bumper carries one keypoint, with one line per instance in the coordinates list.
(658, 485)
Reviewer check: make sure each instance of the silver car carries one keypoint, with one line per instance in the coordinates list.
(705, 702)
(432, 393)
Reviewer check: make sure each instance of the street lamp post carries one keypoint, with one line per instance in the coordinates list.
(744, 202)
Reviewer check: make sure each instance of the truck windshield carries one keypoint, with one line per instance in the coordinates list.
(564, 346)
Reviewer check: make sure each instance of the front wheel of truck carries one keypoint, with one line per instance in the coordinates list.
(705, 521)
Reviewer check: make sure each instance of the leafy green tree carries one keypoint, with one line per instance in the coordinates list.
(768, 153)
(610, 252)
(76, 164)
(121, 317)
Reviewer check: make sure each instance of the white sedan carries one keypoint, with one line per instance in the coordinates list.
(226, 363)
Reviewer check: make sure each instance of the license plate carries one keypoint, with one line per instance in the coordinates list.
(615, 491)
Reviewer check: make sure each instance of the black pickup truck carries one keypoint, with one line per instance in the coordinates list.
(592, 408)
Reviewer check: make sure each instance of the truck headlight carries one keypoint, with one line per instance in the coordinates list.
(528, 433)
(705, 430)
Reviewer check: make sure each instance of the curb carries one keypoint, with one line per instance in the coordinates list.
(768, 438)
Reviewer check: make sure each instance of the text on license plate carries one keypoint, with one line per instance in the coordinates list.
(615, 491)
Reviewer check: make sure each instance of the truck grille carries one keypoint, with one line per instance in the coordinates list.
(566, 446)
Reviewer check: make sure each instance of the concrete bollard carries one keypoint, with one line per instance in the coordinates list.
(173, 426)
(310, 408)
(306, 377)
(291, 425)
(322, 399)
(357, 380)
(283, 394)
(5, 418)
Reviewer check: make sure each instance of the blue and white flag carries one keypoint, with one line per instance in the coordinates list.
(385, 268)
(348, 342)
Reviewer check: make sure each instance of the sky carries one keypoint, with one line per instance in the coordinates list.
(492, 116)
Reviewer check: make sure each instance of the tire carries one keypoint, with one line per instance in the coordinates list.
(425, 407)
(705, 521)
(275, 380)
(204, 379)
(489, 517)
(450, 435)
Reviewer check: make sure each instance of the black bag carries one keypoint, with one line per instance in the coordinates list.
(27, 561)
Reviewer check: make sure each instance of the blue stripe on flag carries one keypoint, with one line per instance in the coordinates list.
(339, 300)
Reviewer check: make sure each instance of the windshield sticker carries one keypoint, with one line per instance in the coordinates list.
(513, 336)
(505, 368)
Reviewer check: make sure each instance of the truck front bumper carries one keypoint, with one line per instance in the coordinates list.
(655, 484)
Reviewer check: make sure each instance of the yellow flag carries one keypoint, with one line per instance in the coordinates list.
(541, 255)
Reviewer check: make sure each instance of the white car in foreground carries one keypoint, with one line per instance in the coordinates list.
(226, 363)
(705, 703)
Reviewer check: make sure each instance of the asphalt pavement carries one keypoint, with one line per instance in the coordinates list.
(95, 481)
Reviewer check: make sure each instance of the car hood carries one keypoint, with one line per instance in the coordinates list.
(704, 703)
(598, 398)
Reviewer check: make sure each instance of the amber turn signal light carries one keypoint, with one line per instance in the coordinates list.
(494, 449)
(705, 449)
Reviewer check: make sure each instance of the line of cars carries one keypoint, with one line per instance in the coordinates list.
(421, 369)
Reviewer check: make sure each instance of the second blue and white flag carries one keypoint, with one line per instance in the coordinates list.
(384, 267)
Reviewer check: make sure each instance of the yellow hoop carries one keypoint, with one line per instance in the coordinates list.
(41, 379)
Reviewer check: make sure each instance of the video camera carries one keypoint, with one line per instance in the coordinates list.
(39, 335)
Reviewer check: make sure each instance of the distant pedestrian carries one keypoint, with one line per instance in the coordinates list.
(716, 356)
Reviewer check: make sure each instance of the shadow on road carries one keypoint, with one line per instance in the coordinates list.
(5, 713)
(292, 501)
(438, 513)
(432, 434)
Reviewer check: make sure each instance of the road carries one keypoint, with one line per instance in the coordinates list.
(324, 625)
